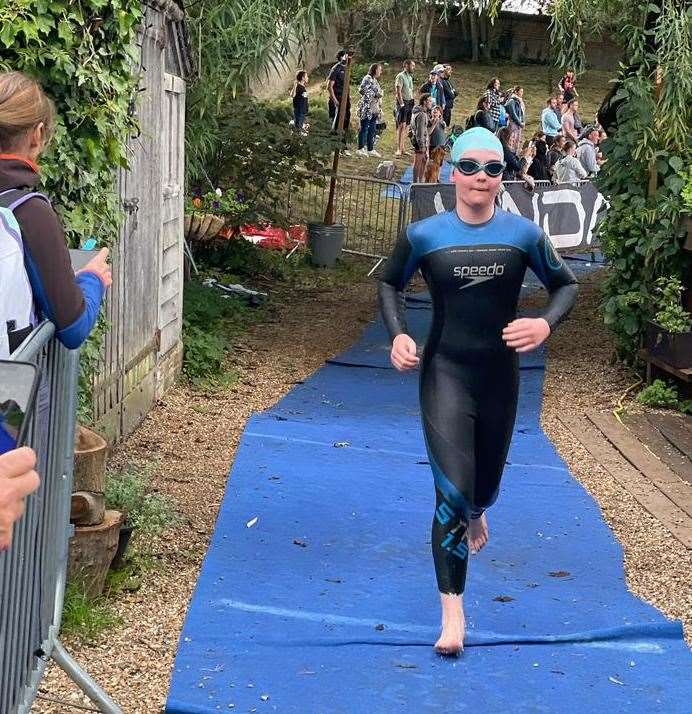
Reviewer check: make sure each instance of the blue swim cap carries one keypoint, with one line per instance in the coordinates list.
(476, 138)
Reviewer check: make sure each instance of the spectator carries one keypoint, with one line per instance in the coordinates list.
(569, 169)
(586, 150)
(482, 116)
(539, 168)
(494, 97)
(555, 154)
(300, 100)
(516, 167)
(438, 137)
(369, 110)
(550, 122)
(17, 480)
(403, 88)
(516, 113)
(434, 88)
(567, 85)
(568, 126)
(335, 88)
(450, 94)
(71, 302)
(561, 106)
(420, 135)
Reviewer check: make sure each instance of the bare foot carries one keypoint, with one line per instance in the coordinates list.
(451, 641)
(478, 533)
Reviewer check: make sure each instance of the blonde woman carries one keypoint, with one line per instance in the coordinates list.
(27, 120)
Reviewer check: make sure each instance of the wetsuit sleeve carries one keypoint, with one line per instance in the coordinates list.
(558, 279)
(400, 266)
(71, 304)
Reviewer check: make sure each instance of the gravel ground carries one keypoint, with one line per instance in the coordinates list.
(193, 437)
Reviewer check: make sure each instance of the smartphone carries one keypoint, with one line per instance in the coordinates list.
(18, 386)
(79, 258)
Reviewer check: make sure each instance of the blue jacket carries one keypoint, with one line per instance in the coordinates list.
(550, 123)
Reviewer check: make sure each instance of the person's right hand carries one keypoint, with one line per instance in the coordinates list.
(17, 480)
(99, 267)
(403, 354)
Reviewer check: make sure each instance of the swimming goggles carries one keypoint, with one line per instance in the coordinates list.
(471, 166)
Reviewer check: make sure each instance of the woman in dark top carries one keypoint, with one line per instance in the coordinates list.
(300, 99)
(540, 169)
(71, 303)
(483, 117)
(514, 165)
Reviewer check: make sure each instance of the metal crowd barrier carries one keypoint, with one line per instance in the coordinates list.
(33, 571)
(374, 211)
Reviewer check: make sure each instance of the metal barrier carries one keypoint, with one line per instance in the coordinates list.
(373, 210)
(33, 571)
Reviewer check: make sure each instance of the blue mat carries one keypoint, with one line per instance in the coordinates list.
(327, 603)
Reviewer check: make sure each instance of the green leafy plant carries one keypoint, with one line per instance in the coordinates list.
(659, 394)
(129, 491)
(670, 313)
(647, 154)
(210, 319)
(261, 155)
(687, 191)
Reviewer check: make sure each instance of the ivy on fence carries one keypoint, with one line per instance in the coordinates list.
(84, 54)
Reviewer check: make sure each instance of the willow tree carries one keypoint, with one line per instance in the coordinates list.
(237, 42)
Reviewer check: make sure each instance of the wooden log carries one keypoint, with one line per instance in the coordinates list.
(92, 549)
(87, 509)
(90, 454)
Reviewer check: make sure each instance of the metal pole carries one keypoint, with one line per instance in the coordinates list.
(84, 681)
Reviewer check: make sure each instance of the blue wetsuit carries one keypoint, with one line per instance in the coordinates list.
(469, 378)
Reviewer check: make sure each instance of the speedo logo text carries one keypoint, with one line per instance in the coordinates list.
(478, 271)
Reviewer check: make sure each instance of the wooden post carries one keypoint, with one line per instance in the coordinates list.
(329, 213)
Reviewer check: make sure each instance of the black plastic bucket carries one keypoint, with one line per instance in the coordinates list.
(325, 243)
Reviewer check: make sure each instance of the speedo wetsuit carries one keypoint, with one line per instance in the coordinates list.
(469, 378)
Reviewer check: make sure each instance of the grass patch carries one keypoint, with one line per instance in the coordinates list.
(87, 618)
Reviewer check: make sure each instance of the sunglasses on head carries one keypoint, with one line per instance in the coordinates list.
(469, 167)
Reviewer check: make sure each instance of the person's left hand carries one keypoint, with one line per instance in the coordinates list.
(526, 333)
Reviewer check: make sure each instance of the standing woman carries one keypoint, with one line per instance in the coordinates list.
(300, 100)
(369, 110)
(516, 111)
(71, 303)
(494, 97)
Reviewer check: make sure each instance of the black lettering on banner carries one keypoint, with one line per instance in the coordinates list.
(567, 213)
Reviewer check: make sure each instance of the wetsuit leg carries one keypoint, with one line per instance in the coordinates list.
(449, 426)
(497, 409)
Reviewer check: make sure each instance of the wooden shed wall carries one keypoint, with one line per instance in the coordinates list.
(143, 349)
